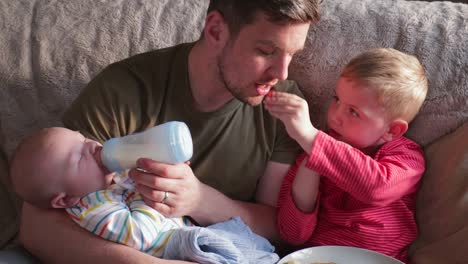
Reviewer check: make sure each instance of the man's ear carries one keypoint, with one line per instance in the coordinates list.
(216, 30)
(62, 200)
(396, 129)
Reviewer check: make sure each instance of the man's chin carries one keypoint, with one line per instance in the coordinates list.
(253, 100)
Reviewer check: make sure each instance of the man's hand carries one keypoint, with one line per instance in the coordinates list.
(293, 111)
(172, 190)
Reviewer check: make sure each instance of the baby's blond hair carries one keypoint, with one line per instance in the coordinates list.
(398, 79)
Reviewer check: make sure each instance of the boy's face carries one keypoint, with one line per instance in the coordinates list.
(355, 116)
(258, 57)
(76, 163)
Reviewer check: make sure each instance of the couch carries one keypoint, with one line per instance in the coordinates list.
(50, 49)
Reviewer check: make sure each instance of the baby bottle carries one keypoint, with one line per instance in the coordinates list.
(170, 142)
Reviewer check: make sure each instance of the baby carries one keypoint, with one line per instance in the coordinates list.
(62, 164)
(60, 168)
(356, 184)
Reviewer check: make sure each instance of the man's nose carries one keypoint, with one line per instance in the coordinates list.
(279, 70)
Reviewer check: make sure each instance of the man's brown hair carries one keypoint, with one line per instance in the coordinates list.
(238, 13)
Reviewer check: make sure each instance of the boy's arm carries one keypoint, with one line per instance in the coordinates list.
(297, 210)
(395, 171)
(305, 188)
(71, 243)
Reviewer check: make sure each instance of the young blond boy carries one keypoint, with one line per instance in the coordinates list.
(367, 170)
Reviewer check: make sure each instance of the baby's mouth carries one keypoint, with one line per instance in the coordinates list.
(97, 156)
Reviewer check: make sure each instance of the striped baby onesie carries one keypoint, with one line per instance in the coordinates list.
(119, 214)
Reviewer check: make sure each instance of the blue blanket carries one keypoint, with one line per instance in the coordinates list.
(227, 242)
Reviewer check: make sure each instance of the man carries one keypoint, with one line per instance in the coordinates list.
(216, 86)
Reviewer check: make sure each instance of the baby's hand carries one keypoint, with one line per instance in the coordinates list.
(293, 111)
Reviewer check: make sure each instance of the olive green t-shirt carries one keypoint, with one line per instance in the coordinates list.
(232, 145)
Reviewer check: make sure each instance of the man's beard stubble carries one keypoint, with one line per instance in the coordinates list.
(235, 91)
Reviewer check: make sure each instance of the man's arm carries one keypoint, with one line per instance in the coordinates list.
(260, 217)
(71, 243)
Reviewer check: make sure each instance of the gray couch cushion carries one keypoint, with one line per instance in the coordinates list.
(17, 255)
(9, 205)
(51, 49)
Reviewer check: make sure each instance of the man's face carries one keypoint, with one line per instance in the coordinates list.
(258, 57)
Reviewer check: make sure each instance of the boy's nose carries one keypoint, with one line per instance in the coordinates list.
(337, 121)
(335, 118)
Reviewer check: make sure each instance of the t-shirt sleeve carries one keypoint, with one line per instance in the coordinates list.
(286, 149)
(109, 106)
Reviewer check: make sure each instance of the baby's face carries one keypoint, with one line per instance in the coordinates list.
(355, 116)
(77, 163)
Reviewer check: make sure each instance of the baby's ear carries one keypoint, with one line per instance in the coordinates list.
(62, 200)
(396, 129)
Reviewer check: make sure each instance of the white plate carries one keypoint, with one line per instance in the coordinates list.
(338, 255)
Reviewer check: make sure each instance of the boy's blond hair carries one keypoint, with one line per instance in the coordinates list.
(398, 79)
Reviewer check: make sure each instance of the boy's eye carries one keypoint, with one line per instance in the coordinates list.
(353, 112)
(336, 99)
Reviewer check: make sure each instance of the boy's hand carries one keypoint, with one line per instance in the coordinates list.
(293, 111)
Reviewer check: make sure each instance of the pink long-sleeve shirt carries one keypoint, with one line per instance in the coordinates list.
(363, 201)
